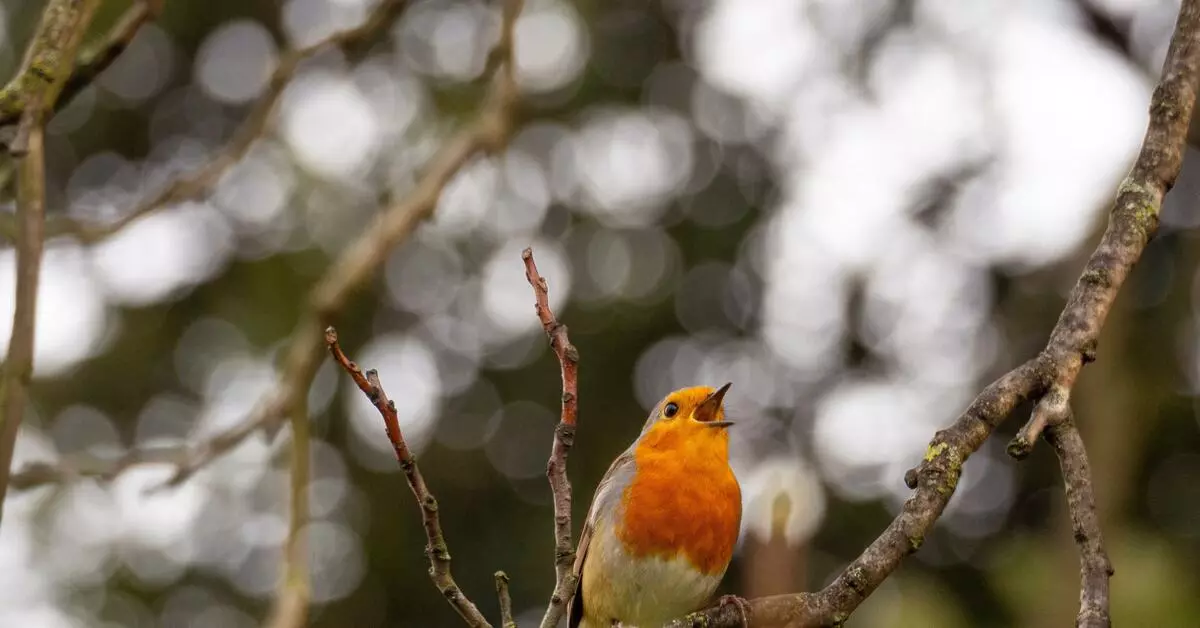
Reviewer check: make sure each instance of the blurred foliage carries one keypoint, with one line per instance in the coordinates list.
(1136, 405)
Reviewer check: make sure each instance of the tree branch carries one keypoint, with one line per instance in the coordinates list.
(1072, 343)
(53, 48)
(564, 438)
(1094, 566)
(438, 554)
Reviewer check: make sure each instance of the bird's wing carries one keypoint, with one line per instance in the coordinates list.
(608, 492)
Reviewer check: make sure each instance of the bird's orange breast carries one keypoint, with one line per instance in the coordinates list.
(682, 499)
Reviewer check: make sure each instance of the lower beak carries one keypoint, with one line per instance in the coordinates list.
(718, 424)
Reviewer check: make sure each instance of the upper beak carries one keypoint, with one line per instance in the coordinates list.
(707, 411)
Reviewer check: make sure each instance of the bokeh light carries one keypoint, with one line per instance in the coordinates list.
(857, 213)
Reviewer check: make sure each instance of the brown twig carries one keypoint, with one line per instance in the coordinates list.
(1094, 566)
(564, 438)
(1072, 343)
(506, 614)
(438, 554)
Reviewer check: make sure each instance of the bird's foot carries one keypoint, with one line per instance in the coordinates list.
(740, 602)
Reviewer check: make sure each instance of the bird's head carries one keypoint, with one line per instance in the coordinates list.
(688, 416)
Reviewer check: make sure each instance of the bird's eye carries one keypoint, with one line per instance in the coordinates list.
(671, 410)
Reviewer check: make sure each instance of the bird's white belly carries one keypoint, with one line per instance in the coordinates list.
(643, 592)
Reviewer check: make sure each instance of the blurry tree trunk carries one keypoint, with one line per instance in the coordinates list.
(772, 566)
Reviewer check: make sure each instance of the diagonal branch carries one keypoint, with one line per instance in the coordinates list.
(1094, 566)
(438, 554)
(1072, 343)
(564, 438)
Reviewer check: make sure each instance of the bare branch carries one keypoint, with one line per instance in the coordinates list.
(439, 555)
(506, 614)
(564, 438)
(1094, 566)
(1072, 343)
(53, 49)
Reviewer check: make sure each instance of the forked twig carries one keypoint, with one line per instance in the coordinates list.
(439, 555)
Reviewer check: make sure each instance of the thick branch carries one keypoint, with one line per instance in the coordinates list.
(439, 555)
(1132, 222)
(564, 438)
(1094, 566)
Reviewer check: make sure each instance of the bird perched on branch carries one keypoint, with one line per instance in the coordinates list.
(664, 520)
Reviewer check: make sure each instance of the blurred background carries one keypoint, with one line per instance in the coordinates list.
(859, 213)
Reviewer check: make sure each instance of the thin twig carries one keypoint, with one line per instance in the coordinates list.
(1072, 343)
(564, 438)
(1094, 566)
(506, 614)
(438, 554)
(358, 263)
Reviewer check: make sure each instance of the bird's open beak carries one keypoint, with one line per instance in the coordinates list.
(707, 411)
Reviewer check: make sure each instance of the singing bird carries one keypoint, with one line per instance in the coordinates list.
(664, 520)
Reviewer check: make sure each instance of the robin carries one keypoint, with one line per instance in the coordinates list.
(664, 520)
